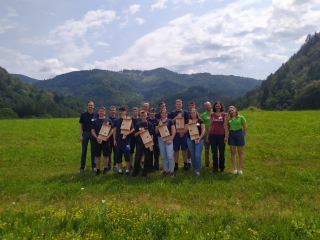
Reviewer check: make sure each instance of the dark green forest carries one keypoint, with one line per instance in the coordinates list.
(22, 100)
(132, 88)
(294, 86)
(25, 78)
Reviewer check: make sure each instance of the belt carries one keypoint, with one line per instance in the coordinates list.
(87, 131)
(234, 131)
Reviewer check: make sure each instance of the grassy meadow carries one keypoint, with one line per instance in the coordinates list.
(43, 196)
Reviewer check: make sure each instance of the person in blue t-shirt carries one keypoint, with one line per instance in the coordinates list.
(139, 128)
(180, 139)
(112, 117)
(133, 141)
(162, 105)
(101, 145)
(155, 153)
(122, 141)
(85, 121)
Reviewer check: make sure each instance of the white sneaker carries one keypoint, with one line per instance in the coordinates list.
(240, 172)
(234, 171)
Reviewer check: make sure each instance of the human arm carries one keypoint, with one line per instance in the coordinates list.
(173, 134)
(226, 128)
(95, 136)
(244, 125)
(209, 129)
(114, 136)
(203, 131)
(80, 130)
(157, 129)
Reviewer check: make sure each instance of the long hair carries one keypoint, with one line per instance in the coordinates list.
(214, 106)
(197, 114)
(237, 113)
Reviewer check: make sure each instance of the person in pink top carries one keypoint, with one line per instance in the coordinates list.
(218, 135)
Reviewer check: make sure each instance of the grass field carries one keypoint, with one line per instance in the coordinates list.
(43, 196)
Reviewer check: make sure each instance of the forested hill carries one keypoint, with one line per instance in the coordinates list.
(294, 86)
(133, 87)
(25, 78)
(21, 100)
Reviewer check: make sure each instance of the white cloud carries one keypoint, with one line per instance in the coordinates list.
(123, 24)
(160, 4)
(140, 21)
(102, 43)
(133, 9)
(6, 23)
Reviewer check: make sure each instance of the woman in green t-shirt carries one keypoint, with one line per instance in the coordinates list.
(237, 127)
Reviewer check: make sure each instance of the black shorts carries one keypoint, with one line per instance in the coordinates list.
(103, 147)
(133, 144)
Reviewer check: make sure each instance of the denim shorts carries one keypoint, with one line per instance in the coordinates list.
(179, 141)
(236, 139)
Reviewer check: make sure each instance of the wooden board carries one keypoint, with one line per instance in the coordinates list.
(164, 132)
(126, 124)
(146, 139)
(193, 131)
(167, 138)
(105, 129)
(103, 138)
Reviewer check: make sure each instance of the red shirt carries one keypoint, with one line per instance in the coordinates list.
(217, 125)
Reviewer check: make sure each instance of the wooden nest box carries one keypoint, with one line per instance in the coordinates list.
(164, 132)
(104, 131)
(126, 126)
(180, 124)
(146, 139)
(193, 131)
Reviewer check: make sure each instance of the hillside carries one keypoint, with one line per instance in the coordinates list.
(294, 86)
(22, 100)
(25, 78)
(133, 87)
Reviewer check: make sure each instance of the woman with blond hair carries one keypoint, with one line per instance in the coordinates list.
(237, 127)
(195, 146)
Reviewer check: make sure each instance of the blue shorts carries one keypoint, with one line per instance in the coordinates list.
(178, 141)
(236, 139)
(123, 147)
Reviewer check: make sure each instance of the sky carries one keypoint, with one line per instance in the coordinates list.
(249, 38)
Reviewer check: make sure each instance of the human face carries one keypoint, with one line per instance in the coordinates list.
(143, 117)
(152, 115)
(162, 106)
(112, 112)
(101, 113)
(178, 106)
(232, 111)
(193, 114)
(90, 106)
(218, 107)
(164, 114)
(192, 106)
(135, 113)
(123, 113)
(208, 106)
(146, 107)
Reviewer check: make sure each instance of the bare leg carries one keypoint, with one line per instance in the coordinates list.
(240, 152)
(131, 159)
(98, 160)
(105, 161)
(189, 156)
(176, 156)
(119, 166)
(185, 155)
(233, 156)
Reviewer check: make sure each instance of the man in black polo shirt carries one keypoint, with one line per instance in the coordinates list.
(112, 117)
(85, 121)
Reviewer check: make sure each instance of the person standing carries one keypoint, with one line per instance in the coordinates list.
(122, 141)
(217, 135)
(237, 127)
(146, 109)
(112, 117)
(141, 127)
(162, 105)
(133, 141)
(101, 145)
(85, 121)
(191, 105)
(180, 139)
(166, 148)
(206, 118)
(195, 146)
(154, 166)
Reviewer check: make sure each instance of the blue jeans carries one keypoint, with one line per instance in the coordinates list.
(195, 152)
(155, 156)
(86, 137)
(166, 152)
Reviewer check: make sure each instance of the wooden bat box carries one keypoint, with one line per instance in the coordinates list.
(164, 132)
(180, 124)
(104, 131)
(146, 139)
(126, 125)
(193, 131)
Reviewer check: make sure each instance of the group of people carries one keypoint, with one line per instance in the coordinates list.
(213, 128)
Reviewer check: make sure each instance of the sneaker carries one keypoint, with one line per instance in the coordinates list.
(121, 173)
(172, 174)
(98, 172)
(105, 171)
(114, 168)
(240, 172)
(214, 170)
(235, 171)
(165, 173)
(131, 168)
(222, 170)
(81, 170)
(197, 174)
(109, 168)
(207, 165)
(176, 168)
(127, 173)
(94, 170)
(186, 168)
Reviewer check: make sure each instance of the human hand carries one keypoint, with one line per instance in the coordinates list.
(81, 139)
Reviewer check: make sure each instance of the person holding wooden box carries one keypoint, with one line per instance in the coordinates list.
(154, 166)
(101, 145)
(217, 135)
(140, 128)
(180, 118)
(122, 141)
(133, 141)
(165, 139)
(237, 127)
(195, 130)
(112, 117)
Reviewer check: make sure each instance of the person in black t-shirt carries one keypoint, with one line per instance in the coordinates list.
(112, 117)
(133, 142)
(85, 121)
(140, 127)
(101, 145)
(155, 153)
(162, 105)
(195, 146)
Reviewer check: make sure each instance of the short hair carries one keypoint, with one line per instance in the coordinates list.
(135, 108)
(162, 103)
(122, 108)
(214, 106)
(237, 113)
(153, 110)
(197, 114)
(103, 108)
(90, 102)
(146, 103)
(178, 100)
(163, 109)
(112, 107)
(191, 103)
(142, 112)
